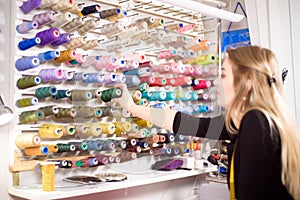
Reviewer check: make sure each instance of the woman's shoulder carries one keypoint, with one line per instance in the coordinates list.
(255, 116)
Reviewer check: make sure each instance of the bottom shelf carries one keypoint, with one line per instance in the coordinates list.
(65, 189)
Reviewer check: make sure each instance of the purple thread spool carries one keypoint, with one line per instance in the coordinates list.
(67, 75)
(44, 18)
(26, 44)
(48, 55)
(23, 64)
(109, 77)
(93, 78)
(51, 74)
(30, 5)
(63, 39)
(48, 36)
(26, 26)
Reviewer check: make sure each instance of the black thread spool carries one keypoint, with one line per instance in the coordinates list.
(90, 10)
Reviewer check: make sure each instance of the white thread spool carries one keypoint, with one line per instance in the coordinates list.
(74, 24)
(27, 140)
(62, 20)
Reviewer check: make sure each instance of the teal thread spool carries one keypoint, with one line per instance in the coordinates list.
(146, 94)
(28, 82)
(26, 102)
(49, 110)
(170, 96)
(108, 95)
(143, 87)
(45, 92)
(80, 95)
(194, 96)
(31, 116)
(62, 94)
(157, 96)
(66, 113)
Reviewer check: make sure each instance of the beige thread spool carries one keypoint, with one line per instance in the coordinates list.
(62, 5)
(27, 140)
(76, 42)
(47, 3)
(80, 95)
(91, 44)
(88, 25)
(69, 130)
(51, 131)
(156, 23)
(75, 8)
(94, 129)
(62, 19)
(48, 176)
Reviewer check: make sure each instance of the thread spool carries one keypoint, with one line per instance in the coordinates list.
(24, 102)
(90, 60)
(192, 42)
(48, 55)
(62, 94)
(203, 45)
(105, 14)
(158, 82)
(138, 134)
(79, 77)
(48, 36)
(107, 145)
(31, 116)
(109, 94)
(63, 39)
(77, 7)
(87, 10)
(156, 23)
(166, 54)
(80, 146)
(127, 156)
(66, 55)
(74, 24)
(94, 145)
(26, 44)
(80, 95)
(84, 112)
(31, 62)
(154, 138)
(91, 44)
(49, 110)
(98, 112)
(36, 151)
(52, 148)
(179, 42)
(173, 27)
(62, 20)
(120, 143)
(142, 122)
(203, 60)
(157, 96)
(122, 14)
(136, 95)
(94, 130)
(25, 27)
(96, 93)
(113, 29)
(69, 129)
(27, 140)
(62, 5)
(122, 127)
(27, 82)
(187, 27)
(88, 25)
(65, 113)
(48, 3)
(201, 109)
(30, 5)
(51, 131)
(107, 128)
(76, 42)
(44, 92)
(44, 18)
(78, 60)
(203, 84)
(94, 78)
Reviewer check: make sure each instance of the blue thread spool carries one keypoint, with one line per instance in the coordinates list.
(45, 92)
(26, 44)
(62, 39)
(132, 80)
(92, 161)
(26, 27)
(201, 109)
(108, 145)
(157, 96)
(23, 64)
(176, 151)
(142, 144)
(159, 105)
(93, 78)
(170, 96)
(137, 72)
(62, 94)
(48, 55)
(79, 77)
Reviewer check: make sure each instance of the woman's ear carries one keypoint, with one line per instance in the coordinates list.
(248, 85)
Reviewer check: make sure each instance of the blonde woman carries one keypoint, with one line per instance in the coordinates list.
(264, 153)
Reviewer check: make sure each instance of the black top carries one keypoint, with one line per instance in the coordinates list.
(257, 159)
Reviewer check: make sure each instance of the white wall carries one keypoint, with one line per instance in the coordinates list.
(272, 25)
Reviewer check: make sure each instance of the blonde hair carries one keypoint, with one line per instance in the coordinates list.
(258, 65)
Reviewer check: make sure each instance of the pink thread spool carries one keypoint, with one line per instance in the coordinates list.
(166, 54)
(185, 28)
(44, 18)
(203, 84)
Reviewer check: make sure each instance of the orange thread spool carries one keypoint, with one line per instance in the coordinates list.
(66, 55)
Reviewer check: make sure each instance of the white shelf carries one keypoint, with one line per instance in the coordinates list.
(35, 192)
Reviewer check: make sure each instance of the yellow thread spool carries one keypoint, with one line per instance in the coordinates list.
(156, 23)
(52, 148)
(48, 177)
(51, 131)
(24, 102)
(66, 55)
(94, 129)
(122, 127)
(142, 122)
(107, 128)
(27, 140)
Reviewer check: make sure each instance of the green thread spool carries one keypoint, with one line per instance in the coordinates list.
(28, 82)
(65, 147)
(66, 113)
(45, 92)
(98, 112)
(49, 110)
(26, 102)
(31, 116)
(84, 112)
(62, 94)
(108, 95)
(80, 95)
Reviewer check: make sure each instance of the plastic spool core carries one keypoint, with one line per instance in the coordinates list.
(36, 140)
(35, 61)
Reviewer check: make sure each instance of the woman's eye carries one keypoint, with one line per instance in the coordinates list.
(222, 76)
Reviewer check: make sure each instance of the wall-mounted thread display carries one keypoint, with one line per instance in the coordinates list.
(26, 44)
(87, 10)
(36, 151)
(27, 140)
(69, 130)
(25, 27)
(107, 128)
(52, 148)
(65, 147)
(80, 95)
(51, 131)
(44, 18)
(48, 55)
(49, 110)
(26, 63)
(203, 84)
(62, 94)
(24, 102)
(27, 82)
(88, 25)
(76, 42)
(48, 36)
(90, 60)
(109, 94)
(62, 19)
(79, 146)
(30, 5)
(44, 92)
(65, 56)
(91, 44)
(63, 39)
(142, 123)
(48, 3)
(203, 45)
(31, 116)
(62, 5)
(203, 60)
(65, 113)
(122, 127)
